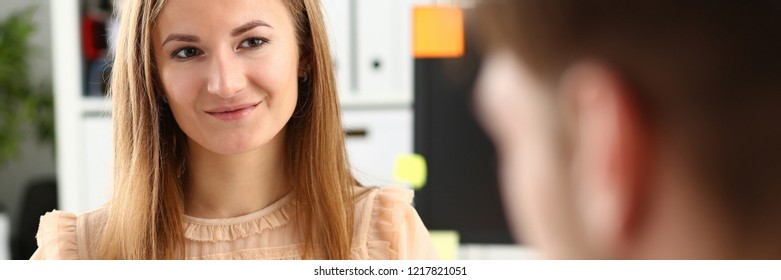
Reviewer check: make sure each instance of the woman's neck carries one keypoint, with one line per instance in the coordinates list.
(224, 186)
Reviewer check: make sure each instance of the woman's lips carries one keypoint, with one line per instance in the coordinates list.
(233, 113)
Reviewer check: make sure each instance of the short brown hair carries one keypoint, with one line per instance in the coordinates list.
(705, 72)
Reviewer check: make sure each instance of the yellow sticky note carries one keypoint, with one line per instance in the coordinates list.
(446, 242)
(438, 32)
(411, 169)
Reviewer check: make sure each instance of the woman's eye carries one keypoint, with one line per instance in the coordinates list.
(186, 53)
(252, 43)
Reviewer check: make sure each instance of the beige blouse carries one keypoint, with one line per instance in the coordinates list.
(386, 227)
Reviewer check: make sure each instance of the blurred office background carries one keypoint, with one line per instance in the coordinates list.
(24, 161)
(400, 103)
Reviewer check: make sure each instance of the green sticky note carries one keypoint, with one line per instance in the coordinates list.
(411, 169)
(446, 242)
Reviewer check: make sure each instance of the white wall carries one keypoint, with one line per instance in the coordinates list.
(34, 160)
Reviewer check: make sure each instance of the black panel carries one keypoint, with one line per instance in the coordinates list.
(462, 190)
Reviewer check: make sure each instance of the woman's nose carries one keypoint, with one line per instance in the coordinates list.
(226, 77)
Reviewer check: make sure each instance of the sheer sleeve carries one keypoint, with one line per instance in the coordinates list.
(57, 237)
(396, 231)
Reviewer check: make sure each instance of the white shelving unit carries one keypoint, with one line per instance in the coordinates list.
(371, 43)
(372, 47)
(96, 106)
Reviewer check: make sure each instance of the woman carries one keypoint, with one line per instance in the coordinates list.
(228, 145)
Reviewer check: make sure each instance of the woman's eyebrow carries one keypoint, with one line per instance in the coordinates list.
(249, 26)
(236, 32)
(182, 38)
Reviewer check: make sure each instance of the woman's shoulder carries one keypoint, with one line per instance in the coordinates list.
(391, 193)
(389, 226)
(383, 205)
(67, 236)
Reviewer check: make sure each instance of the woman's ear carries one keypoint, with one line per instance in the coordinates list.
(610, 145)
(302, 69)
(304, 63)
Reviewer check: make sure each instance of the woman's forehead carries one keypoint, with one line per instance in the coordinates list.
(207, 15)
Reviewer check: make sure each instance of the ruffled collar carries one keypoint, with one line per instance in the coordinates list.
(273, 216)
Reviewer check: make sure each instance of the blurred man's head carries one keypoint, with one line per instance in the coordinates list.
(637, 129)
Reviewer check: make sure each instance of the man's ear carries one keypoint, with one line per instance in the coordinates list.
(609, 152)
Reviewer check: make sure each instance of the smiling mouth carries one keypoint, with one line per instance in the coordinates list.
(234, 113)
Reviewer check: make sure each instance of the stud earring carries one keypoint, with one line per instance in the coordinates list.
(304, 74)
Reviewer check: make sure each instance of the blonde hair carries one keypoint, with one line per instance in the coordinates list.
(146, 213)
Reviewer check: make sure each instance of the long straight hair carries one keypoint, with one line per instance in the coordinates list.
(145, 216)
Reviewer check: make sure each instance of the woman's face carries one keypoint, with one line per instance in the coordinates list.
(229, 70)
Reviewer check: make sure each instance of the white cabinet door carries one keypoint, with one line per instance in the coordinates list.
(372, 44)
(378, 136)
